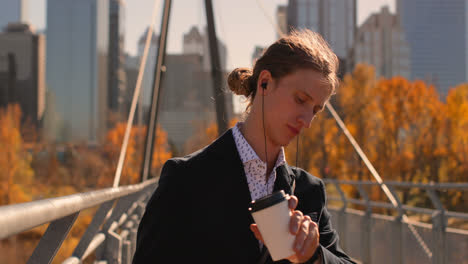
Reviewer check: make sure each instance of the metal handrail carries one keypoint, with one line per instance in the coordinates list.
(406, 208)
(17, 218)
(427, 186)
(439, 216)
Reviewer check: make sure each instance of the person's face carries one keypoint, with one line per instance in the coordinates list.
(292, 102)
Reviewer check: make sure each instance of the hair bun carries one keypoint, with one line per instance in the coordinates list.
(238, 81)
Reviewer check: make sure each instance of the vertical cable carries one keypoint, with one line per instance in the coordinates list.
(136, 92)
(264, 136)
(297, 149)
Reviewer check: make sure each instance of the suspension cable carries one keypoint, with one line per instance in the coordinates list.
(136, 93)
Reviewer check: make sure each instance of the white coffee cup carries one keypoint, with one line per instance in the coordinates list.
(272, 215)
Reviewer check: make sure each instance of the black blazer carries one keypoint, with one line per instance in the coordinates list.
(199, 212)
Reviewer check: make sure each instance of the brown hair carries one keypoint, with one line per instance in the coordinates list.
(299, 50)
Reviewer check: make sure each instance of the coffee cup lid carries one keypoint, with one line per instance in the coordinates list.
(267, 201)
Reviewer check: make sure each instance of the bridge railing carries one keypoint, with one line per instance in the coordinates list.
(371, 238)
(376, 238)
(111, 233)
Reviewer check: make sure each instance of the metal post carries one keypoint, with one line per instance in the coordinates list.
(439, 224)
(122, 206)
(52, 240)
(126, 254)
(133, 239)
(366, 227)
(113, 246)
(92, 229)
(155, 97)
(216, 71)
(342, 221)
(397, 234)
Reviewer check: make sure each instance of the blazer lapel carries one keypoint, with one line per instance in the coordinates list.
(284, 179)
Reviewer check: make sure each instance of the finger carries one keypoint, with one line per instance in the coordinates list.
(312, 240)
(295, 222)
(254, 229)
(301, 236)
(292, 201)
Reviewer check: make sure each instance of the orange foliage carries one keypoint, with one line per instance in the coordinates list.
(16, 175)
(204, 134)
(134, 153)
(457, 108)
(403, 127)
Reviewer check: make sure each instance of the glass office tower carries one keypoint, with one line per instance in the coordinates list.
(437, 33)
(116, 71)
(335, 20)
(77, 62)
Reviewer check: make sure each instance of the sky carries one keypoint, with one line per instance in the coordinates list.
(240, 24)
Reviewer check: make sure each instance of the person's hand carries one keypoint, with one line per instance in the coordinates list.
(305, 230)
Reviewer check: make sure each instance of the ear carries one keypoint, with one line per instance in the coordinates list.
(264, 82)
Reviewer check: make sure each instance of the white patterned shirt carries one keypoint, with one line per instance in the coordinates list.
(254, 167)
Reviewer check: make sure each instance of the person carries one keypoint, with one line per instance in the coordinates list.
(199, 212)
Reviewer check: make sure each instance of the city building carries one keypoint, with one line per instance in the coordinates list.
(380, 42)
(22, 71)
(189, 100)
(184, 101)
(77, 63)
(437, 33)
(13, 11)
(117, 77)
(282, 20)
(131, 74)
(335, 20)
(257, 53)
(147, 81)
(197, 43)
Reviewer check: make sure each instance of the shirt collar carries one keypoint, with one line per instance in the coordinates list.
(247, 153)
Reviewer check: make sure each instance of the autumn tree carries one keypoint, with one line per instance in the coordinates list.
(404, 128)
(457, 111)
(204, 133)
(457, 144)
(134, 152)
(356, 106)
(16, 176)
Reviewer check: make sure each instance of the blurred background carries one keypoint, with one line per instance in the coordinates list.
(69, 71)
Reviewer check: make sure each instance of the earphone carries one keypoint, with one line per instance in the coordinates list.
(264, 86)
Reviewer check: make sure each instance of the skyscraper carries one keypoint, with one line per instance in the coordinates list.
(380, 42)
(257, 53)
(282, 20)
(22, 65)
(335, 20)
(437, 33)
(197, 43)
(131, 75)
(117, 78)
(77, 62)
(12, 11)
(188, 100)
(146, 88)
